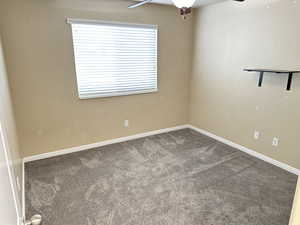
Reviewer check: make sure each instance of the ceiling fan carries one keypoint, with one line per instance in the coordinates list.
(185, 6)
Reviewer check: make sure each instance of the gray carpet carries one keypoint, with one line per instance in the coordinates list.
(176, 178)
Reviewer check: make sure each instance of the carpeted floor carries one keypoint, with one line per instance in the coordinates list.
(176, 178)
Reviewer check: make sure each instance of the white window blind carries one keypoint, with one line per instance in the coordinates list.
(113, 59)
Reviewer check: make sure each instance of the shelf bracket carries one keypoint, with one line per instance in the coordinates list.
(289, 82)
(261, 77)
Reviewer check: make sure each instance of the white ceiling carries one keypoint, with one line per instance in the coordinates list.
(198, 3)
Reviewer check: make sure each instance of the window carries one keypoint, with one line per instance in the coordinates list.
(113, 59)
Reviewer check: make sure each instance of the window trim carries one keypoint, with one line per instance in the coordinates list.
(110, 23)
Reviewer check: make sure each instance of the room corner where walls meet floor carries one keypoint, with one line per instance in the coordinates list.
(128, 138)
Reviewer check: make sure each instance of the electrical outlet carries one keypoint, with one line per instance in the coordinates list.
(126, 123)
(256, 135)
(275, 141)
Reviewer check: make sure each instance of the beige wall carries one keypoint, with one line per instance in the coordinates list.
(38, 47)
(8, 130)
(225, 100)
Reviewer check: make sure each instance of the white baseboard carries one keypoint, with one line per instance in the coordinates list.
(248, 151)
(146, 134)
(100, 144)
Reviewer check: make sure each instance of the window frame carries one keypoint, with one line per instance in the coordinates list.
(71, 21)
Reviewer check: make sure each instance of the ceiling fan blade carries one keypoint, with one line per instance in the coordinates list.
(239, 0)
(139, 4)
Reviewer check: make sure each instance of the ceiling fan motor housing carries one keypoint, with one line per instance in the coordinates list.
(184, 11)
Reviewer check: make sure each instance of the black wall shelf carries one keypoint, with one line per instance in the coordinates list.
(262, 71)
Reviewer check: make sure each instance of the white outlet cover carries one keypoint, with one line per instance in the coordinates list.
(126, 123)
(275, 142)
(256, 134)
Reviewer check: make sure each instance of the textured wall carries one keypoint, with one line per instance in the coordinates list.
(225, 100)
(7, 122)
(38, 47)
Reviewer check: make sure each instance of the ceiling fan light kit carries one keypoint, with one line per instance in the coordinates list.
(185, 6)
(183, 3)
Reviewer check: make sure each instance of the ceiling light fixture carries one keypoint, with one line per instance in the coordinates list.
(185, 6)
(183, 3)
